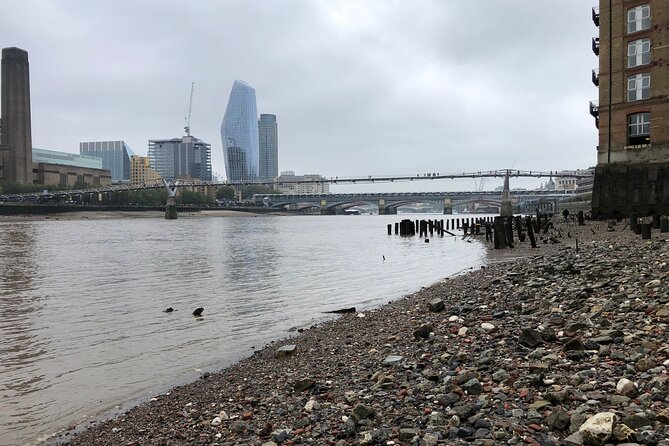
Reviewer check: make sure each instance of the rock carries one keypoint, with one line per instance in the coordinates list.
(423, 331)
(597, 429)
(168, 310)
(575, 439)
(558, 419)
(198, 311)
(539, 404)
(635, 421)
(216, 421)
(311, 406)
(286, 350)
(500, 375)
(627, 388)
(530, 337)
(269, 443)
(237, 426)
(436, 305)
(463, 331)
(304, 384)
(362, 412)
(487, 326)
(653, 283)
(393, 359)
(448, 399)
(573, 344)
(407, 434)
(429, 440)
(473, 387)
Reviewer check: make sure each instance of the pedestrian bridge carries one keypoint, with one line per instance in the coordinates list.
(389, 202)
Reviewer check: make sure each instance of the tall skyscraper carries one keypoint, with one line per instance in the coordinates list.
(115, 156)
(239, 134)
(268, 147)
(182, 157)
(16, 162)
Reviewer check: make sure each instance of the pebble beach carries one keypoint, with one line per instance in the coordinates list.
(544, 346)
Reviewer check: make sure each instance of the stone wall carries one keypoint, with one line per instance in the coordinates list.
(621, 189)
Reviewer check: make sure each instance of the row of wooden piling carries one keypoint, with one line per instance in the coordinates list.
(644, 226)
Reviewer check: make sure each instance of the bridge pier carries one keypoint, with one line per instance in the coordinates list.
(382, 206)
(171, 204)
(448, 206)
(506, 208)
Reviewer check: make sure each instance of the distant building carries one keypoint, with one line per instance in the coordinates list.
(239, 134)
(115, 156)
(317, 187)
(64, 169)
(268, 136)
(141, 171)
(572, 183)
(185, 157)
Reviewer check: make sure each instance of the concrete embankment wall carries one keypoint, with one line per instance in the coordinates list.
(33, 209)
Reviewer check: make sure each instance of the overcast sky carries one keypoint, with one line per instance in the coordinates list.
(359, 87)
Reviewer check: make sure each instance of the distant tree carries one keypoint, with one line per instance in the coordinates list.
(188, 197)
(225, 192)
(250, 190)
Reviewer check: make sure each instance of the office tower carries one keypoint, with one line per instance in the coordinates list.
(115, 156)
(185, 157)
(268, 147)
(239, 134)
(15, 128)
(632, 173)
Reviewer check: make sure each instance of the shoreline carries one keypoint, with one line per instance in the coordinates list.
(445, 388)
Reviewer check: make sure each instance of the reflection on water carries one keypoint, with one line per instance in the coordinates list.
(81, 321)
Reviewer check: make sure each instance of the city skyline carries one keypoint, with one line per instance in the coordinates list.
(358, 90)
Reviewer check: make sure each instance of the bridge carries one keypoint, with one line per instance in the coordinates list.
(388, 203)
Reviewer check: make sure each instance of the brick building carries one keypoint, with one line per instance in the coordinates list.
(632, 114)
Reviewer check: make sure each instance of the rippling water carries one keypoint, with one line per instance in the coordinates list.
(81, 321)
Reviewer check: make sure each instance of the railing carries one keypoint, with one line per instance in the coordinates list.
(595, 15)
(594, 108)
(595, 45)
(595, 77)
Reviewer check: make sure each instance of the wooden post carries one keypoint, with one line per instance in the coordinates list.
(645, 231)
(530, 231)
(397, 228)
(519, 228)
(634, 221)
(500, 236)
(390, 229)
(664, 224)
(581, 220)
(508, 227)
(656, 221)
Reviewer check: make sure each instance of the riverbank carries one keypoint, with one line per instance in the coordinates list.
(521, 351)
(108, 215)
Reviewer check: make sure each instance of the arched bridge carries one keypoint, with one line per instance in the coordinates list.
(389, 202)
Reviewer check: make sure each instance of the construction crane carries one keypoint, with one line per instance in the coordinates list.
(190, 106)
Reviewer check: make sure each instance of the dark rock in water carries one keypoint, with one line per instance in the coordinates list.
(168, 310)
(342, 311)
(198, 311)
(530, 337)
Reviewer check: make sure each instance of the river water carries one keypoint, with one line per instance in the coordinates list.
(81, 322)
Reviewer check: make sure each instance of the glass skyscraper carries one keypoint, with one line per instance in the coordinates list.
(269, 147)
(239, 134)
(115, 156)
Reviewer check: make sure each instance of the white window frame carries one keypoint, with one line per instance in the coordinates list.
(638, 18)
(638, 87)
(637, 126)
(638, 53)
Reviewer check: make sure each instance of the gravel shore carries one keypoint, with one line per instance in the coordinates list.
(522, 351)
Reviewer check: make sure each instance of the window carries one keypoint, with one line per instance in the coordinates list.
(638, 18)
(638, 53)
(638, 128)
(638, 87)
